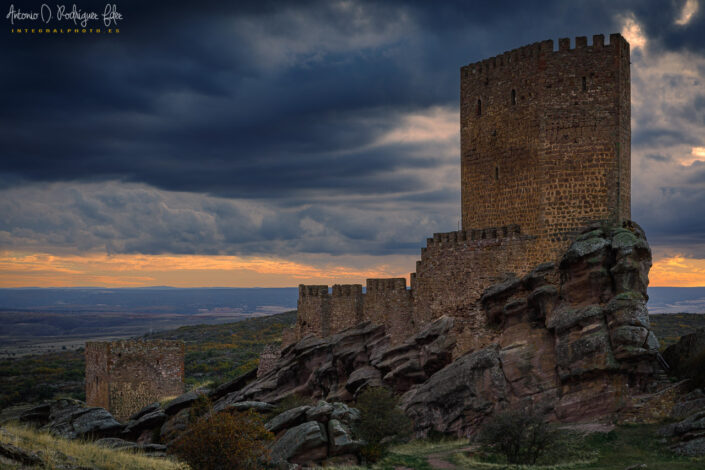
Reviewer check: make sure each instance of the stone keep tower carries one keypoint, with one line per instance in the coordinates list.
(545, 139)
(125, 376)
(545, 151)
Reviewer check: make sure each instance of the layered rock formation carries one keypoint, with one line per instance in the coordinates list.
(571, 339)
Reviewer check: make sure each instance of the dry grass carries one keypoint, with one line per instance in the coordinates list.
(56, 452)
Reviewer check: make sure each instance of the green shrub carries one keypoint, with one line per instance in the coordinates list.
(200, 407)
(521, 436)
(225, 440)
(380, 420)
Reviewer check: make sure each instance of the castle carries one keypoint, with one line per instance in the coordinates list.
(545, 150)
(124, 376)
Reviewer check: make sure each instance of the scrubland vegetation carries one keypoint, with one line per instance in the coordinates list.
(214, 354)
(59, 453)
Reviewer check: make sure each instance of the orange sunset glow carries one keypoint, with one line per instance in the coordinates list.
(100, 270)
(677, 271)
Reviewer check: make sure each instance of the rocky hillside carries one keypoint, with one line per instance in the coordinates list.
(573, 340)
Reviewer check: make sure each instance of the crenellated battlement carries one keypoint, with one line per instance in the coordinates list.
(312, 290)
(386, 285)
(461, 236)
(346, 290)
(544, 48)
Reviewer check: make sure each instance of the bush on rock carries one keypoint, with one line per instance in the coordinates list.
(225, 440)
(380, 420)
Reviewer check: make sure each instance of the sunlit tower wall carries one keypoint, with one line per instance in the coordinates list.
(545, 140)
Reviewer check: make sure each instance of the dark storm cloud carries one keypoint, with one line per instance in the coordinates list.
(264, 101)
(200, 98)
(132, 218)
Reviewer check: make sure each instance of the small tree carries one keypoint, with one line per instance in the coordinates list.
(522, 436)
(224, 440)
(380, 418)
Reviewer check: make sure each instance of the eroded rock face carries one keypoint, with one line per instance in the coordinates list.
(575, 338)
(338, 367)
(72, 419)
(571, 339)
(312, 435)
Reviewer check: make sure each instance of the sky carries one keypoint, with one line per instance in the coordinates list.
(271, 143)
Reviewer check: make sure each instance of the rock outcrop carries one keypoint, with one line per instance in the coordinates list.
(72, 419)
(571, 339)
(312, 436)
(339, 366)
(686, 349)
(687, 436)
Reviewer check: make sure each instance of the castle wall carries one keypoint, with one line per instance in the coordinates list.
(549, 147)
(454, 270)
(124, 376)
(313, 310)
(389, 303)
(97, 380)
(345, 307)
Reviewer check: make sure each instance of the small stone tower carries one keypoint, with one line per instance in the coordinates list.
(124, 376)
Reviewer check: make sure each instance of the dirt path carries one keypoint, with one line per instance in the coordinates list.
(440, 460)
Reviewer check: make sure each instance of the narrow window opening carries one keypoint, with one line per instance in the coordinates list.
(496, 173)
(514, 97)
(479, 107)
(584, 83)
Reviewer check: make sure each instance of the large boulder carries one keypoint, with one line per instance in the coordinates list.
(72, 419)
(688, 435)
(341, 438)
(687, 348)
(459, 396)
(304, 444)
(144, 422)
(182, 401)
(287, 419)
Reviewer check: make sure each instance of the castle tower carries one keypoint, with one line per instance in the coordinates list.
(125, 376)
(545, 139)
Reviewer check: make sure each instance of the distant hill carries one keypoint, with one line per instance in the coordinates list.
(239, 300)
(150, 299)
(213, 353)
(676, 300)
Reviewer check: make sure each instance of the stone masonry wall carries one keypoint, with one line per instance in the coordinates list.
(346, 304)
(389, 303)
(124, 376)
(97, 380)
(313, 310)
(267, 359)
(545, 139)
(456, 267)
